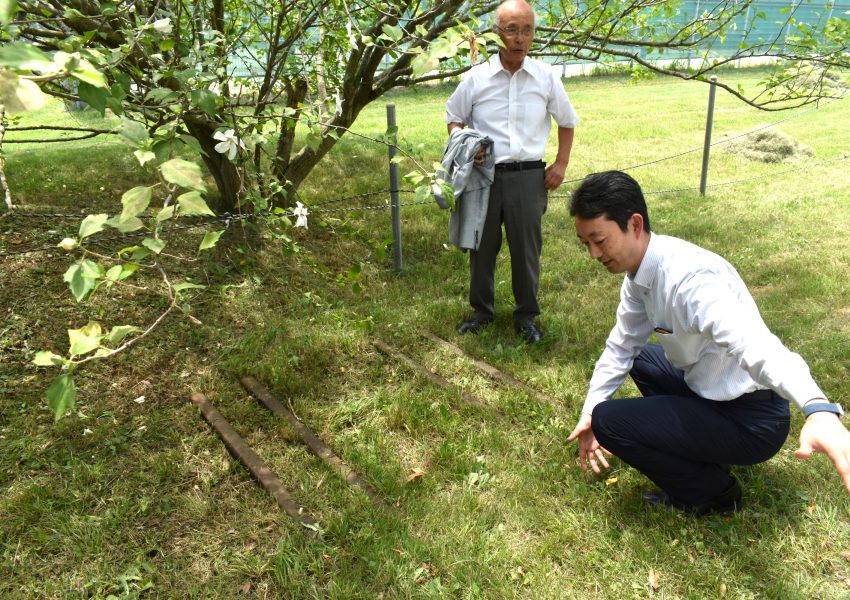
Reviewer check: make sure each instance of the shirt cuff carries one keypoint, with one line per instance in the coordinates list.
(592, 402)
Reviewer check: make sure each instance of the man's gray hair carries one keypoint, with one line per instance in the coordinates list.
(497, 22)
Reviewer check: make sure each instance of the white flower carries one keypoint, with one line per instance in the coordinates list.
(163, 26)
(301, 212)
(352, 39)
(338, 102)
(67, 244)
(229, 144)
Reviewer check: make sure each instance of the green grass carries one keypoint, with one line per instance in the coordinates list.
(142, 500)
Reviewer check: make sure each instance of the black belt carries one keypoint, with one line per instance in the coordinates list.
(521, 165)
(758, 395)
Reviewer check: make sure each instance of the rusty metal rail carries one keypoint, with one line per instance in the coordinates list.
(419, 368)
(240, 449)
(489, 369)
(315, 444)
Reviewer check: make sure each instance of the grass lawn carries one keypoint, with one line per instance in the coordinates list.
(137, 498)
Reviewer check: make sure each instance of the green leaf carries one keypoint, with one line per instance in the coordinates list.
(192, 142)
(162, 95)
(133, 132)
(191, 203)
(135, 202)
(92, 224)
(19, 95)
(162, 149)
(166, 45)
(393, 32)
(424, 63)
(183, 173)
(91, 269)
(8, 8)
(154, 245)
(119, 272)
(127, 270)
(22, 56)
(204, 100)
(47, 359)
(88, 73)
(144, 156)
(85, 340)
(165, 214)
(113, 273)
(93, 96)
(313, 141)
(117, 334)
(423, 193)
(137, 253)
(61, 395)
(80, 286)
(133, 224)
(114, 105)
(210, 240)
(442, 48)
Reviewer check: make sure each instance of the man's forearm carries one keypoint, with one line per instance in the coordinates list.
(453, 125)
(565, 145)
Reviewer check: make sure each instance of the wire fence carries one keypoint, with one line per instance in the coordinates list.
(315, 207)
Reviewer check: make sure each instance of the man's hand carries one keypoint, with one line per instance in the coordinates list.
(824, 432)
(554, 175)
(479, 156)
(589, 450)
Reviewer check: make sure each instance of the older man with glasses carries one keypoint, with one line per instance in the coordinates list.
(512, 99)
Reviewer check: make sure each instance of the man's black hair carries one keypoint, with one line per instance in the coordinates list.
(610, 194)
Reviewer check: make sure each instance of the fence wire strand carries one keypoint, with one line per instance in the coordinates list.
(227, 218)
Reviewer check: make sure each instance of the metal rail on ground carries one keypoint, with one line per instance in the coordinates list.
(316, 445)
(489, 369)
(433, 377)
(240, 449)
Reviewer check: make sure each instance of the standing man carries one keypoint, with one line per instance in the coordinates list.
(716, 388)
(511, 99)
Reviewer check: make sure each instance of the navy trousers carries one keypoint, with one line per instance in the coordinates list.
(518, 200)
(683, 442)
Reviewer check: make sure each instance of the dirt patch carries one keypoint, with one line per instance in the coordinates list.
(769, 146)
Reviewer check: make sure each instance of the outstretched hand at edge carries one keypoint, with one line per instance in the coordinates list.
(824, 432)
(589, 450)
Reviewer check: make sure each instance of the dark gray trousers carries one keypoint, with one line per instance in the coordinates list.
(518, 200)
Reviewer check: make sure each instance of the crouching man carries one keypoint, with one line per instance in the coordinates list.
(715, 388)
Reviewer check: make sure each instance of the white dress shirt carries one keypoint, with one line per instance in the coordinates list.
(512, 110)
(708, 324)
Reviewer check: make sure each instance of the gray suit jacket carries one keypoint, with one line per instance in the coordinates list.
(471, 185)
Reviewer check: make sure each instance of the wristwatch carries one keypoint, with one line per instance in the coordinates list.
(810, 409)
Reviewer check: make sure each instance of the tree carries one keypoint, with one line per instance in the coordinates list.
(171, 65)
(234, 81)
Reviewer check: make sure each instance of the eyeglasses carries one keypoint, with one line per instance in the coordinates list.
(514, 31)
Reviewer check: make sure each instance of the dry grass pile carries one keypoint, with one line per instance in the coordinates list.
(769, 146)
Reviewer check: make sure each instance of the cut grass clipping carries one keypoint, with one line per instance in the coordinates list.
(769, 146)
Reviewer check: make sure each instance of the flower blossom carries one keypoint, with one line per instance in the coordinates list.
(228, 143)
(301, 212)
(163, 26)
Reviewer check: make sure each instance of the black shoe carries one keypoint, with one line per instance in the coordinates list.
(530, 332)
(473, 324)
(724, 504)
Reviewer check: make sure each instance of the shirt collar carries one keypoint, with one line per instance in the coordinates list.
(650, 264)
(527, 65)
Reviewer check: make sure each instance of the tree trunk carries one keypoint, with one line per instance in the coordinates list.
(224, 172)
(295, 95)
